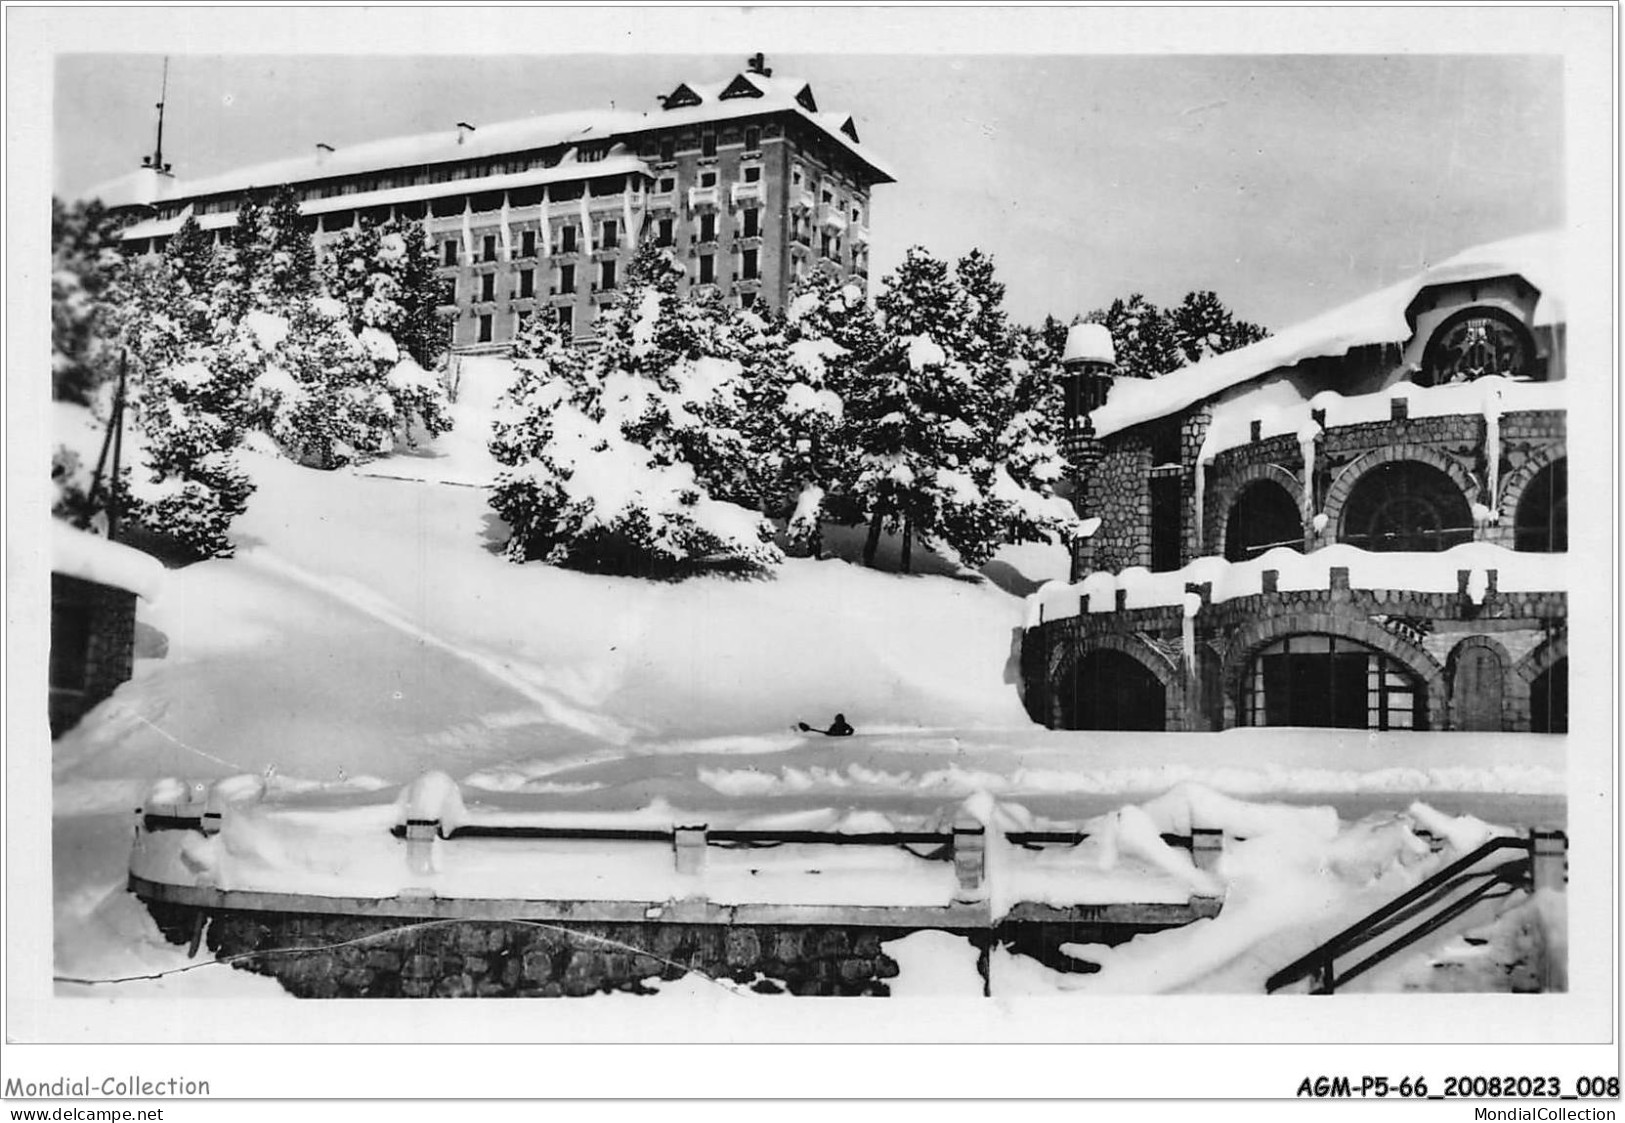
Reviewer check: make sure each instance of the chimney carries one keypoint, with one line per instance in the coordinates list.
(757, 64)
(463, 129)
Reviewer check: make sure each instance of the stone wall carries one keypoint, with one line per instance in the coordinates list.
(109, 653)
(1424, 631)
(1454, 444)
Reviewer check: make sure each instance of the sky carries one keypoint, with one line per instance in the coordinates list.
(1287, 183)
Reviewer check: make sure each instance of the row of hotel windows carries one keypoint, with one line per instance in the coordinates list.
(749, 269)
(564, 316)
(609, 237)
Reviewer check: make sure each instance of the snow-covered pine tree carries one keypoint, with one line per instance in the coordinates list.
(190, 255)
(915, 413)
(1145, 343)
(86, 269)
(193, 412)
(1203, 327)
(385, 281)
(288, 270)
(602, 450)
(240, 263)
(796, 415)
(331, 407)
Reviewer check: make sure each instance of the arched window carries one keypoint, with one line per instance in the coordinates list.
(1477, 342)
(1406, 505)
(1329, 681)
(1549, 699)
(1541, 525)
(1111, 690)
(1262, 518)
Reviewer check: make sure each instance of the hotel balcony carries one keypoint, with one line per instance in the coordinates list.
(703, 197)
(742, 192)
(804, 201)
(832, 217)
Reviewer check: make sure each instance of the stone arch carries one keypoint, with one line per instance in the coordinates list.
(1538, 662)
(1337, 495)
(1221, 500)
(1064, 662)
(1514, 494)
(1515, 481)
(1509, 687)
(1262, 632)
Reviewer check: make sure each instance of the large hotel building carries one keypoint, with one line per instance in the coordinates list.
(749, 183)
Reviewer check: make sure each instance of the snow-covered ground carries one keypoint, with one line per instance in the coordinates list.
(368, 631)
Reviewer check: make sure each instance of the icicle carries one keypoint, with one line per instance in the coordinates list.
(1201, 492)
(507, 234)
(1492, 448)
(1187, 631)
(1307, 433)
(586, 222)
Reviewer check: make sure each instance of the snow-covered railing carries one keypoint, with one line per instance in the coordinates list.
(742, 191)
(702, 197)
(211, 846)
(1281, 570)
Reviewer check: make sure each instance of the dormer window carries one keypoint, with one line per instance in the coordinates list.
(1475, 343)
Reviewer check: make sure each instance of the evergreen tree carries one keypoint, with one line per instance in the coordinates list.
(1144, 340)
(1203, 327)
(627, 461)
(287, 271)
(86, 270)
(190, 257)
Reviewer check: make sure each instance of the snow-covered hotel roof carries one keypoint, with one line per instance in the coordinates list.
(1377, 318)
(746, 95)
(90, 557)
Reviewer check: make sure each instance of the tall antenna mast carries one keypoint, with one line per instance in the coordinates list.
(156, 160)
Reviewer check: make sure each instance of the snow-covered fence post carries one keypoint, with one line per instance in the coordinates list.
(1549, 859)
(689, 844)
(1207, 846)
(970, 856)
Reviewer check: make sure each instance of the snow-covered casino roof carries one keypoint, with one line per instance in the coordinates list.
(90, 557)
(1377, 318)
(544, 131)
(565, 172)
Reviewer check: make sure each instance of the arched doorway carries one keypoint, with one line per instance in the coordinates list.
(1330, 682)
(1477, 687)
(1406, 505)
(1541, 524)
(1263, 517)
(1110, 690)
(1549, 699)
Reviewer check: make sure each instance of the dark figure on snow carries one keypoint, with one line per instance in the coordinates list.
(839, 728)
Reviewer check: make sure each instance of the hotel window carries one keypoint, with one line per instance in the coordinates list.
(567, 238)
(663, 233)
(708, 179)
(708, 227)
(448, 291)
(828, 195)
(748, 266)
(668, 149)
(606, 275)
(485, 329)
(527, 244)
(753, 174)
(567, 319)
(611, 235)
(857, 215)
(527, 282)
(795, 176)
(708, 143)
(823, 245)
(747, 299)
(668, 185)
(708, 269)
(753, 223)
(490, 248)
(753, 139)
(1329, 682)
(449, 253)
(488, 286)
(567, 279)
